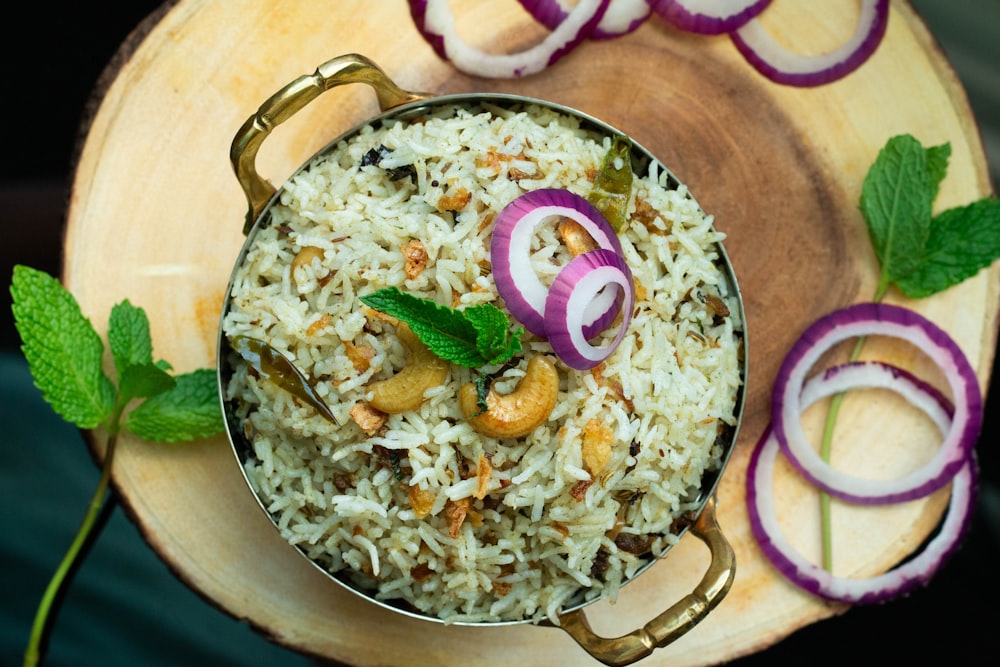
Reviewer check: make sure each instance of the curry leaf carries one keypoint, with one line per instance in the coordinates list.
(612, 187)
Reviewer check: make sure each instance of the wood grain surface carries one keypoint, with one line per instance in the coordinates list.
(156, 215)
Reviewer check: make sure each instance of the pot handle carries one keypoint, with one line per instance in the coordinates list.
(350, 68)
(675, 621)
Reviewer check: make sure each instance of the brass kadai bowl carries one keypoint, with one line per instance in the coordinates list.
(396, 103)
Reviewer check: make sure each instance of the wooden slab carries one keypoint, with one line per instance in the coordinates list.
(156, 215)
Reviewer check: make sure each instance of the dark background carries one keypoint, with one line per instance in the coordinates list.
(126, 608)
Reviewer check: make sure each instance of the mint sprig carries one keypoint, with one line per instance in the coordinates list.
(476, 336)
(920, 253)
(65, 355)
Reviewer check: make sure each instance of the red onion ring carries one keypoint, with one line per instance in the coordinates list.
(573, 290)
(915, 572)
(882, 320)
(783, 66)
(620, 18)
(521, 289)
(709, 17)
(436, 24)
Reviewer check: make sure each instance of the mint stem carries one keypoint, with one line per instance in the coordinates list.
(48, 605)
(826, 448)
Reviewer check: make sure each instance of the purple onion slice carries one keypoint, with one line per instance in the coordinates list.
(786, 67)
(510, 251)
(708, 17)
(436, 24)
(620, 18)
(875, 319)
(573, 290)
(916, 571)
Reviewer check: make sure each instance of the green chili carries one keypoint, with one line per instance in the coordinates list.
(613, 184)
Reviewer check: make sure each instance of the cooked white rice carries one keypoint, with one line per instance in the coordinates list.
(529, 547)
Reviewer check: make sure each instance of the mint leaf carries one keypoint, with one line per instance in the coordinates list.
(63, 350)
(962, 241)
(128, 337)
(937, 167)
(454, 335)
(189, 411)
(143, 381)
(896, 200)
(493, 339)
(445, 331)
(921, 254)
(460, 351)
(65, 356)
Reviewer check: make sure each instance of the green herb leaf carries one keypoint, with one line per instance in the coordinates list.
(63, 350)
(474, 337)
(143, 381)
(937, 167)
(962, 241)
(921, 254)
(445, 331)
(189, 411)
(493, 339)
(128, 337)
(896, 200)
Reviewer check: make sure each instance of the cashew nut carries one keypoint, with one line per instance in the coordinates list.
(305, 257)
(577, 239)
(521, 411)
(405, 390)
